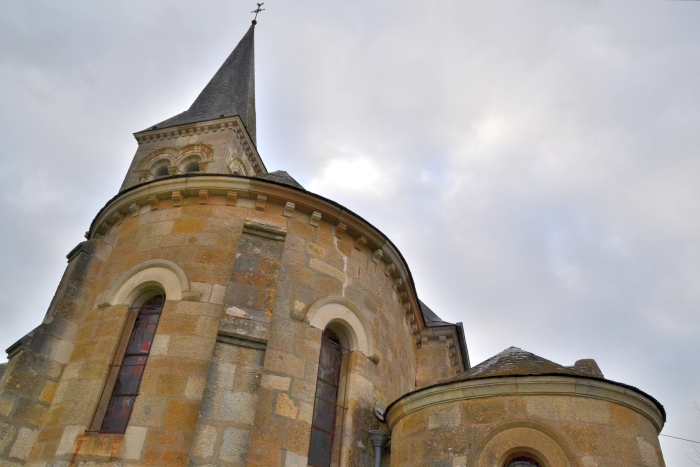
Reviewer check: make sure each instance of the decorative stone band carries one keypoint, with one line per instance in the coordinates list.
(248, 192)
(525, 386)
(222, 124)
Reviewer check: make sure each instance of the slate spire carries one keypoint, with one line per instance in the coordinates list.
(230, 92)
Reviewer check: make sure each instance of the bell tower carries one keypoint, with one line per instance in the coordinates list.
(216, 135)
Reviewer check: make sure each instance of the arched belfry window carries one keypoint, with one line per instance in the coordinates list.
(326, 406)
(522, 461)
(126, 375)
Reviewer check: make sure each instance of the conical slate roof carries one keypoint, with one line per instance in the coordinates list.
(516, 362)
(230, 92)
(280, 176)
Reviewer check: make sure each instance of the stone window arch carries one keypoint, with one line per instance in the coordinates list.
(236, 166)
(346, 320)
(159, 167)
(190, 164)
(151, 275)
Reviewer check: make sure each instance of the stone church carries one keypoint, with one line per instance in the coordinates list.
(221, 315)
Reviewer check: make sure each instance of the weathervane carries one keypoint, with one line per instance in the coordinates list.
(256, 11)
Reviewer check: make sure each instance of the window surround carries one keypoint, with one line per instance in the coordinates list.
(133, 289)
(150, 291)
(346, 320)
(147, 276)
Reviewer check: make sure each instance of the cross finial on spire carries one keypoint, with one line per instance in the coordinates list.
(256, 11)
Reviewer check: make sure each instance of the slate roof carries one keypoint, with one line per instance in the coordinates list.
(516, 362)
(431, 318)
(230, 92)
(280, 176)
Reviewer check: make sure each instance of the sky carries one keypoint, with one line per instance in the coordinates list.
(535, 161)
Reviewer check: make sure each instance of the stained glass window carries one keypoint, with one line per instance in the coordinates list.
(522, 461)
(325, 405)
(130, 371)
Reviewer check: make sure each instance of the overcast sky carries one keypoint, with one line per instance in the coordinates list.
(536, 162)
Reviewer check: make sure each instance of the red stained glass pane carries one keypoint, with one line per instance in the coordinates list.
(118, 412)
(126, 387)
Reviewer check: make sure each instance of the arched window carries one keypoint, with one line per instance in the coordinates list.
(161, 172)
(522, 461)
(326, 404)
(129, 372)
(192, 168)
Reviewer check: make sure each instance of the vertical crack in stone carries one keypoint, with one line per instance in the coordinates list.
(345, 259)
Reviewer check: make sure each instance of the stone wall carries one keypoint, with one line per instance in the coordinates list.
(433, 363)
(37, 361)
(232, 371)
(560, 422)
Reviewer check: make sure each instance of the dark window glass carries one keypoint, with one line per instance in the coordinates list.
(192, 168)
(522, 461)
(126, 387)
(325, 405)
(162, 172)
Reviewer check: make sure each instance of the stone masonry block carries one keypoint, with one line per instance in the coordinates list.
(7, 435)
(191, 225)
(285, 406)
(284, 363)
(276, 383)
(7, 403)
(235, 445)
(198, 348)
(181, 415)
(204, 441)
(132, 445)
(217, 294)
(195, 387)
(294, 460)
(325, 268)
(26, 437)
(297, 436)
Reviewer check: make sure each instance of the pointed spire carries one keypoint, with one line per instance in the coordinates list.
(230, 92)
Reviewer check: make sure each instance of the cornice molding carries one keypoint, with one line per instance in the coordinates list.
(148, 196)
(524, 386)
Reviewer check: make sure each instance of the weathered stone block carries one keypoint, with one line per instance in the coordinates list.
(181, 415)
(276, 383)
(297, 436)
(7, 435)
(235, 445)
(285, 406)
(132, 445)
(198, 348)
(26, 437)
(284, 363)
